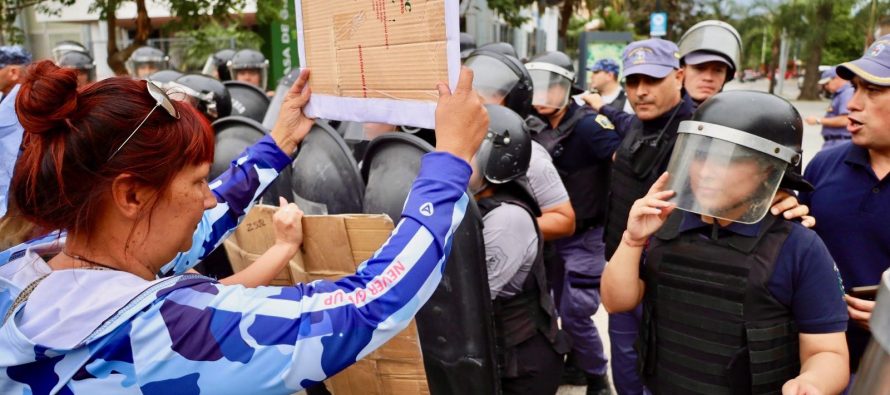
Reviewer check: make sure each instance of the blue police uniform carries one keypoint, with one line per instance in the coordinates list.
(834, 136)
(10, 129)
(852, 207)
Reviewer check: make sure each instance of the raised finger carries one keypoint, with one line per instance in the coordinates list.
(659, 184)
(465, 82)
(301, 82)
(783, 205)
(797, 212)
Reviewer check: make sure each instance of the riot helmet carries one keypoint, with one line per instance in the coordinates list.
(147, 60)
(217, 64)
(63, 47)
(250, 66)
(553, 76)
(163, 77)
(712, 41)
(467, 45)
(501, 79)
(506, 151)
(204, 93)
(735, 153)
(500, 47)
(82, 62)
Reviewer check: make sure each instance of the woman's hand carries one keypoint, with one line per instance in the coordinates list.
(648, 214)
(288, 225)
(292, 124)
(799, 386)
(461, 119)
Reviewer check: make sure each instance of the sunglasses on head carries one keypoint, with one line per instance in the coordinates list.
(162, 101)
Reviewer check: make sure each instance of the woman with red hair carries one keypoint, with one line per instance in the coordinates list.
(122, 170)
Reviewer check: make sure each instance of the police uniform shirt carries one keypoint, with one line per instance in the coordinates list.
(11, 132)
(839, 107)
(594, 139)
(544, 180)
(805, 277)
(611, 98)
(511, 246)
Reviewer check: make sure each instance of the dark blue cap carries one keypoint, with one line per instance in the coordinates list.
(607, 65)
(653, 57)
(827, 75)
(14, 55)
(873, 67)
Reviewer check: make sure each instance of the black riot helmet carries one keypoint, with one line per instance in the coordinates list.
(217, 64)
(506, 151)
(145, 61)
(63, 47)
(739, 148)
(501, 79)
(163, 77)
(249, 59)
(467, 44)
(501, 47)
(207, 94)
(553, 77)
(80, 61)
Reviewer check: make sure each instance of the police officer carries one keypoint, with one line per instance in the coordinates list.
(206, 94)
(217, 65)
(736, 301)
(531, 345)
(834, 123)
(82, 62)
(709, 54)
(582, 144)
(604, 82)
(146, 60)
(852, 195)
(250, 66)
(65, 46)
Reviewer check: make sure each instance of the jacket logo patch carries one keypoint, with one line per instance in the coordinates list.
(604, 122)
(427, 209)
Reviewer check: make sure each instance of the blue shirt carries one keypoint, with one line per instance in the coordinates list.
(593, 140)
(839, 107)
(805, 278)
(10, 142)
(852, 209)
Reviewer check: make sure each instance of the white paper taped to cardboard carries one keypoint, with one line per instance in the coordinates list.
(378, 60)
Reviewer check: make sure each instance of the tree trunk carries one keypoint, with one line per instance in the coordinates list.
(774, 60)
(817, 38)
(565, 17)
(117, 58)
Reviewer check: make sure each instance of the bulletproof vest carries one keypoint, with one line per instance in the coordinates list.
(710, 325)
(584, 185)
(619, 101)
(641, 158)
(519, 317)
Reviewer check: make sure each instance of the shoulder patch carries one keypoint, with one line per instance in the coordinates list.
(604, 122)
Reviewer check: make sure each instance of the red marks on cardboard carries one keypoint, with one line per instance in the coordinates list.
(361, 65)
(380, 11)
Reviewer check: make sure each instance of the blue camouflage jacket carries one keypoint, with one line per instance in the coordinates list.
(97, 331)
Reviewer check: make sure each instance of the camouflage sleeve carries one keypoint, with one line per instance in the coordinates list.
(236, 191)
(231, 339)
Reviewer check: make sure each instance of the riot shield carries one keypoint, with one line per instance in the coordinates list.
(280, 93)
(455, 326)
(874, 370)
(325, 176)
(247, 100)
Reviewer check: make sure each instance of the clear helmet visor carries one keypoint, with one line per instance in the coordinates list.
(492, 79)
(720, 179)
(551, 89)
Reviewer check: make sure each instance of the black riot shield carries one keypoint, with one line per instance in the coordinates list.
(455, 326)
(247, 100)
(280, 93)
(325, 176)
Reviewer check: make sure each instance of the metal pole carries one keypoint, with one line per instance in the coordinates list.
(783, 63)
(763, 49)
(871, 26)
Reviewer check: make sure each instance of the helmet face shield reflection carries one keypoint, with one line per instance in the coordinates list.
(492, 79)
(551, 89)
(722, 179)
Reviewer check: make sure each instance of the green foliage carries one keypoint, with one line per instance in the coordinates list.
(509, 10)
(213, 36)
(269, 11)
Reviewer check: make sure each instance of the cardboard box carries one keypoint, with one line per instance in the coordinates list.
(333, 246)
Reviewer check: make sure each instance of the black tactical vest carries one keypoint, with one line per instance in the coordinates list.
(710, 325)
(584, 185)
(619, 101)
(641, 158)
(520, 317)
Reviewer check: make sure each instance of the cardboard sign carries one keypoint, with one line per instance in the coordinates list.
(333, 247)
(378, 60)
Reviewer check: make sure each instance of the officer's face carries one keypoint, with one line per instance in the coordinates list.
(870, 116)
(83, 77)
(725, 187)
(250, 76)
(9, 77)
(554, 96)
(651, 97)
(600, 80)
(704, 80)
(835, 84)
(145, 69)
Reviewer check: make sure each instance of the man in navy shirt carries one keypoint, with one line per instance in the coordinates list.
(834, 123)
(852, 196)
